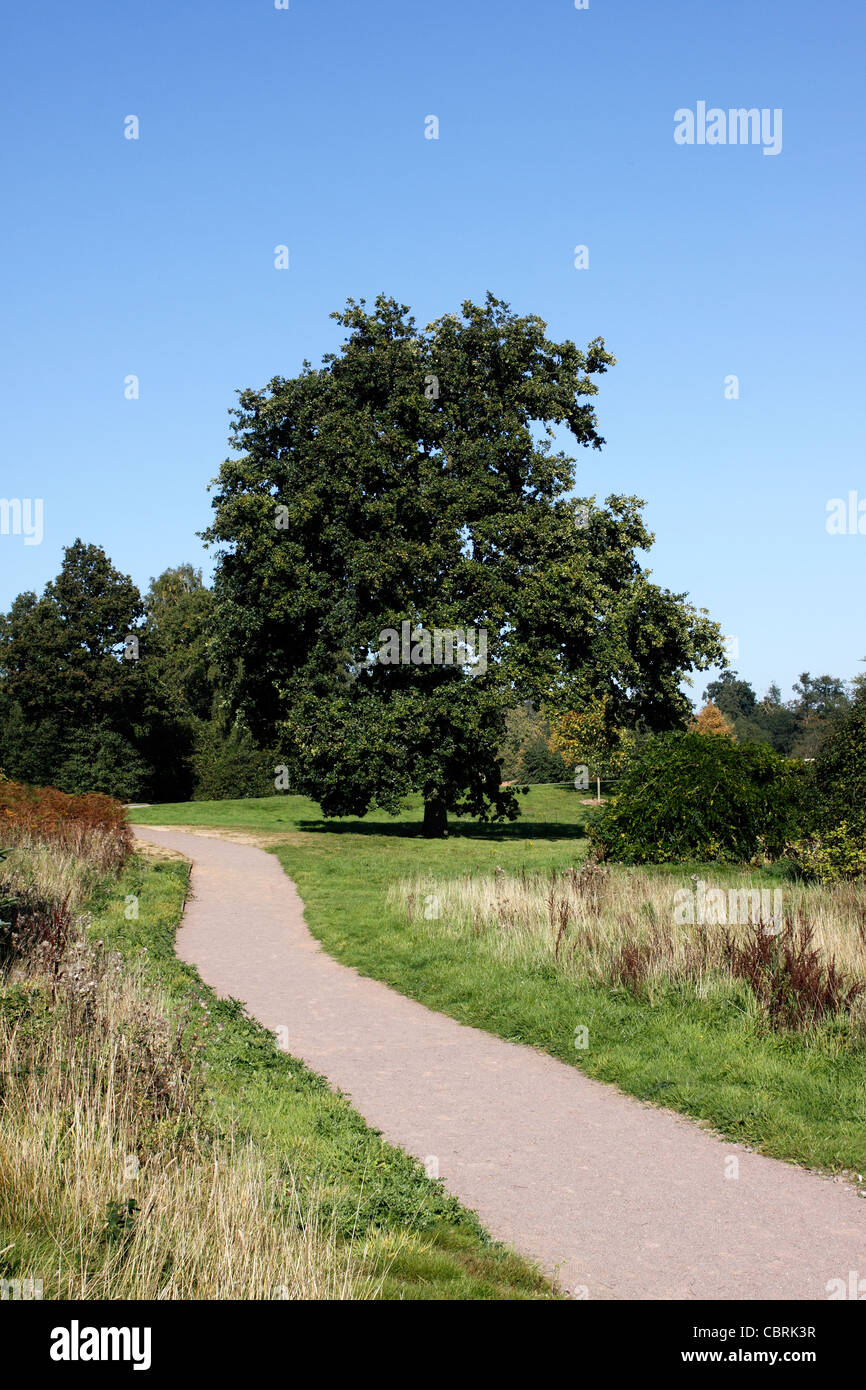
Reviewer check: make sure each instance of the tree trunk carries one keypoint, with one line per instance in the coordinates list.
(435, 818)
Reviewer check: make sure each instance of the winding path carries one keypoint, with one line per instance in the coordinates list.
(620, 1200)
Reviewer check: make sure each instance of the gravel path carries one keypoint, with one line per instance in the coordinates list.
(620, 1200)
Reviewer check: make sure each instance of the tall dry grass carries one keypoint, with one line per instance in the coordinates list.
(49, 873)
(115, 1181)
(607, 927)
(110, 1169)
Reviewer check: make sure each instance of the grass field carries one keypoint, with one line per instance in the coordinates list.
(154, 1142)
(709, 1054)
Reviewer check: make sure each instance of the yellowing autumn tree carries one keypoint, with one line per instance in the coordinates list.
(710, 720)
(587, 738)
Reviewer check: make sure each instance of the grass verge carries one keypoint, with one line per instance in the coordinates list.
(154, 1142)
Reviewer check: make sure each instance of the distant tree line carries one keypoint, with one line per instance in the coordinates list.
(105, 689)
(797, 727)
(542, 746)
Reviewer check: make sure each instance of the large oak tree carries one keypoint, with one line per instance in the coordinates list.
(413, 477)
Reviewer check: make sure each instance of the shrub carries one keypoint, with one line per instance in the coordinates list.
(831, 856)
(840, 770)
(693, 796)
(227, 765)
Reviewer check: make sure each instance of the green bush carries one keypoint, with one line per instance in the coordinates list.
(831, 855)
(101, 760)
(836, 848)
(228, 765)
(840, 770)
(693, 796)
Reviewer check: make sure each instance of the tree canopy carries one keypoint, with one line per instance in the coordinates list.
(68, 699)
(798, 726)
(710, 720)
(412, 479)
(101, 690)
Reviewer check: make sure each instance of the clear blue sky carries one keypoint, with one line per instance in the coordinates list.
(306, 127)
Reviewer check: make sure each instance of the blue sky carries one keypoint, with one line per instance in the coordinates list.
(305, 127)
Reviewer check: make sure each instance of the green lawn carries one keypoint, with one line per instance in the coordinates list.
(796, 1098)
(374, 1194)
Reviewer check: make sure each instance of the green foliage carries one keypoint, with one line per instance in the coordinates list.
(61, 654)
(28, 746)
(100, 760)
(525, 751)
(824, 697)
(797, 727)
(734, 697)
(229, 765)
(64, 683)
(75, 713)
(832, 855)
(836, 849)
(179, 612)
(591, 738)
(538, 764)
(523, 726)
(693, 796)
(119, 1220)
(841, 771)
(405, 480)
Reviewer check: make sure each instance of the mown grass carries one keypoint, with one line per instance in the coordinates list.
(800, 1097)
